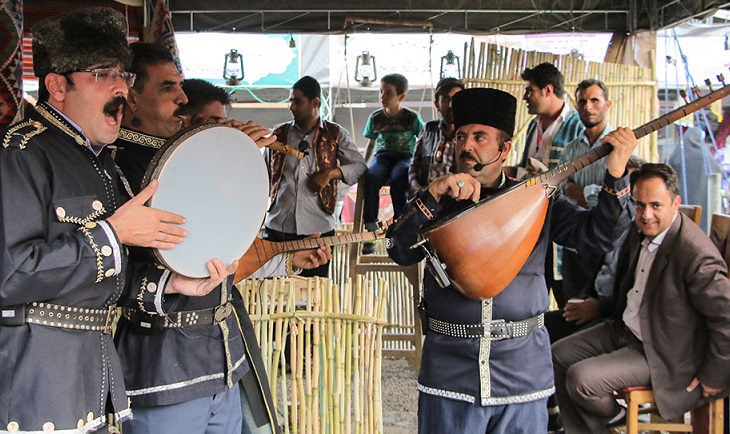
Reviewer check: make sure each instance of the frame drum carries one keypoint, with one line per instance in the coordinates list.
(214, 176)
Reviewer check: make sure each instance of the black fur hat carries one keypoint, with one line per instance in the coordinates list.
(485, 106)
(80, 39)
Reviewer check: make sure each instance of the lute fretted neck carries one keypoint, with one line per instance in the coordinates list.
(561, 172)
(313, 243)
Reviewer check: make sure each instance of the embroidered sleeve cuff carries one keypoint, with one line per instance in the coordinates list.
(150, 291)
(427, 204)
(114, 243)
(618, 187)
(159, 295)
(101, 244)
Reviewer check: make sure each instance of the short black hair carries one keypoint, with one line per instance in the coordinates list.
(146, 54)
(544, 74)
(446, 85)
(201, 93)
(585, 84)
(399, 81)
(308, 86)
(662, 171)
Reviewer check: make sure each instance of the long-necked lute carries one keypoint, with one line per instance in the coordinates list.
(483, 247)
(262, 250)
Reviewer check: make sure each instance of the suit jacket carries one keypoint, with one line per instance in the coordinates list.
(684, 315)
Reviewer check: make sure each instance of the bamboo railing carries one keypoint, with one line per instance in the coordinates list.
(330, 383)
(631, 89)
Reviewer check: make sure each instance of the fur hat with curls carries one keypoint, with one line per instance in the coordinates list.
(80, 39)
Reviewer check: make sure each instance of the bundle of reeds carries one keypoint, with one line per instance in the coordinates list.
(330, 381)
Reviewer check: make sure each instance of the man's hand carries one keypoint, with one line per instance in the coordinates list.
(139, 225)
(707, 391)
(318, 181)
(624, 142)
(257, 133)
(200, 287)
(460, 186)
(312, 258)
(582, 312)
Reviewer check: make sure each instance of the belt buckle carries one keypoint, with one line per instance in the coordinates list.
(222, 312)
(111, 315)
(488, 329)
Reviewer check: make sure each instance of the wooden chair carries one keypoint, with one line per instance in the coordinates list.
(706, 419)
(692, 211)
(406, 338)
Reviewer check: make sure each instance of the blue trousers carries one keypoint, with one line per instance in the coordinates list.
(217, 414)
(386, 166)
(437, 415)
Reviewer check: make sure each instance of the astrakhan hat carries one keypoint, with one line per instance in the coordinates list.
(79, 39)
(485, 106)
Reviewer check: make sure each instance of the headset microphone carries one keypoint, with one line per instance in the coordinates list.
(479, 166)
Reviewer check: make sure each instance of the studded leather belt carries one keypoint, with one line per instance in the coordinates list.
(494, 330)
(187, 318)
(55, 315)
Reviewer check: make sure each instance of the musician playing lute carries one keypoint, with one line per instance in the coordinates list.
(486, 363)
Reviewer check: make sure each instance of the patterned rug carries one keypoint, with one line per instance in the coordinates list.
(11, 81)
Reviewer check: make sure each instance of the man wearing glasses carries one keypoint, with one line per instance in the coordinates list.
(304, 192)
(62, 231)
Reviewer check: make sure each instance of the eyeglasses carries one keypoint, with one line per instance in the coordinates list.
(303, 146)
(109, 76)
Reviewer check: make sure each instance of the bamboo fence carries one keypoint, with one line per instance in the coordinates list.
(399, 329)
(631, 89)
(331, 381)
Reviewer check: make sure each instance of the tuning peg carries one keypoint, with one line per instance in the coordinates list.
(696, 91)
(708, 83)
(683, 94)
(721, 79)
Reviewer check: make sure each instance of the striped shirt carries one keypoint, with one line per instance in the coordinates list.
(592, 174)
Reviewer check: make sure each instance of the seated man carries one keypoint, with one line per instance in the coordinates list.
(671, 327)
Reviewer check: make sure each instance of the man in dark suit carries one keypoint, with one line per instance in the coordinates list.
(671, 328)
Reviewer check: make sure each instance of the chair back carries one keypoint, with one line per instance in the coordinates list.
(719, 231)
(692, 211)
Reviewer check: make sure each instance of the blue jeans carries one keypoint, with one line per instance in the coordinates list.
(217, 414)
(437, 415)
(386, 166)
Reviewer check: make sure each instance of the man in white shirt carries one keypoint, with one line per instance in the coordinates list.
(555, 123)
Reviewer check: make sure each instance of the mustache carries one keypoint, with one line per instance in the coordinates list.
(464, 155)
(114, 104)
(179, 111)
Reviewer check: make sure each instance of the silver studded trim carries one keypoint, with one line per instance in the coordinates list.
(68, 317)
(173, 386)
(495, 329)
(519, 399)
(447, 394)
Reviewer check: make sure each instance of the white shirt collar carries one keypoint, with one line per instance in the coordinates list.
(654, 243)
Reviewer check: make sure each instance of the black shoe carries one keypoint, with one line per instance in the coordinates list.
(368, 248)
(554, 424)
(618, 421)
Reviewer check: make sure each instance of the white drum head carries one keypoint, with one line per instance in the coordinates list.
(216, 178)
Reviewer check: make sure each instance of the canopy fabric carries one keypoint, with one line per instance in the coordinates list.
(459, 16)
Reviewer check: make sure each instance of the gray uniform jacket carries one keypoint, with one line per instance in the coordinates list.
(488, 372)
(56, 248)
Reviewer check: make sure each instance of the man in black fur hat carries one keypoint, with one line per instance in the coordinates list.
(62, 229)
(486, 364)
